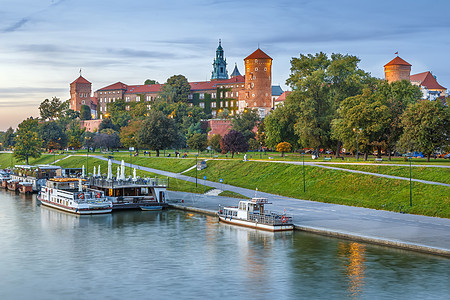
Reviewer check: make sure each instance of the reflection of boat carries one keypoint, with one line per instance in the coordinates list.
(69, 195)
(152, 207)
(251, 213)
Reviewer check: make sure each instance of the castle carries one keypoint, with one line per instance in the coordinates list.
(235, 93)
(398, 69)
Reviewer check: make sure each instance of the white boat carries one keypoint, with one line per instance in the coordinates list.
(68, 194)
(251, 213)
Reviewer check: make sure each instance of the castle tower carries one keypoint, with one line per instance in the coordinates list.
(396, 70)
(235, 72)
(80, 93)
(219, 65)
(258, 83)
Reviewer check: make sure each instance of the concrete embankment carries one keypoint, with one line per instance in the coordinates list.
(341, 234)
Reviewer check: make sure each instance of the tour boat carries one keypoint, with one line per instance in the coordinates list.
(251, 213)
(68, 194)
(152, 207)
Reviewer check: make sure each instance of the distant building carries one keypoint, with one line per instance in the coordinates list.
(429, 86)
(235, 93)
(277, 91)
(280, 100)
(398, 69)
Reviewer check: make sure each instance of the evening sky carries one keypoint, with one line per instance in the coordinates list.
(44, 44)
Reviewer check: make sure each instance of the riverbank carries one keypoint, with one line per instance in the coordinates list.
(409, 232)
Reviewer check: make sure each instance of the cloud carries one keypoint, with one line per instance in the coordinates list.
(17, 25)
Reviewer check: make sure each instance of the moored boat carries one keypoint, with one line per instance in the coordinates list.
(4, 177)
(68, 194)
(251, 213)
(152, 207)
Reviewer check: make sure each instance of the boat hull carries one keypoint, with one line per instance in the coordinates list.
(75, 210)
(152, 208)
(261, 226)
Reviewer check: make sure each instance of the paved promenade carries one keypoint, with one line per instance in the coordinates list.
(413, 232)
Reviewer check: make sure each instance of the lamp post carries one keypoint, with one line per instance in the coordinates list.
(196, 156)
(357, 144)
(304, 185)
(410, 182)
(88, 139)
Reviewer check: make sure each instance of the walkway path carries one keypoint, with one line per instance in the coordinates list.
(403, 230)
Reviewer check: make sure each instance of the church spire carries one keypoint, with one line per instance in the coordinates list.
(219, 64)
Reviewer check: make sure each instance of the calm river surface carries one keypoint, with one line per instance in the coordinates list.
(47, 254)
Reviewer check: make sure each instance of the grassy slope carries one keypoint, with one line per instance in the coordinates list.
(332, 186)
(424, 173)
(5, 159)
(160, 163)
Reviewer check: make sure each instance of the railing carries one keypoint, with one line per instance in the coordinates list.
(111, 183)
(271, 219)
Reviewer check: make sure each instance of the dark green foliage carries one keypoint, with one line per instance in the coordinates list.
(150, 81)
(157, 132)
(198, 142)
(52, 109)
(176, 89)
(85, 112)
(214, 142)
(246, 122)
(52, 135)
(8, 138)
(107, 123)
(27, 141)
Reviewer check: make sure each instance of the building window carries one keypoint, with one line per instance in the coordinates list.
(202, 96)
(265, 69)
(226, 94)
(253, 95)
(127, 99)
(149, 107)
(138, 98)
(214, 113)
(82, 102)
(202, 104)
(226, 103)
(256, 60)
(221, 104)
(190, 96)
(109, 92)
(213, 104)
(221, 94)
(213, 95)
(127, 107)
(231, 94)
(256, 69)
(267, 94)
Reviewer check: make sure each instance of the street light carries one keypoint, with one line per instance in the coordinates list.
(304, 185)
(196, 156)
(410, 187)
(357, 144)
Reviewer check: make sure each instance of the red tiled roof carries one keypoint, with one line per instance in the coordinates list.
(282, 97)
(258, 54)
(397, 61)
(139, 89)
(212, 85)
(80, 79)
(94, 100)
(116, 86)
(427, 80)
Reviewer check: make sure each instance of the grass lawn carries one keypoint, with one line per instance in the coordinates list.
(232, 194)
(431, 174)
(5, 159)
(332, 186)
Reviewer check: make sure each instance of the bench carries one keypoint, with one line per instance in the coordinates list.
(378, 159)
(216, 156)
(270, 157)
(327, 158)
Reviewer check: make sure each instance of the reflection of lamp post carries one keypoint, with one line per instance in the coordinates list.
(357, 144)
(88, 139)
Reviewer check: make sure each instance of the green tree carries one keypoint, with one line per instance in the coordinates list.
(150, 81)
(198, 141)
(214, 142)
(279, 126)
(246, 122)
(157, 132)
(75, 135)
(85, 112)
(223, 114)
(319, 84)
(8, 138)
(426, 127)
(176, 89)
(108, 123)
(52, 135)
(128, 134)
(396, 96)
(27, 142)
(234, 141)
(52, 109)
(87, 140)
(366, 112)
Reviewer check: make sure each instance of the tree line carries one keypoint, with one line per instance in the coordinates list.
(333, 105)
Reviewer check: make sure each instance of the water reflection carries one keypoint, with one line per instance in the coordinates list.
(353, 255)
(55, 219)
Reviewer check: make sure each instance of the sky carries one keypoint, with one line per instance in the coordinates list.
(45, 43)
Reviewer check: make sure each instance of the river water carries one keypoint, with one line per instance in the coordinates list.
(48, 254)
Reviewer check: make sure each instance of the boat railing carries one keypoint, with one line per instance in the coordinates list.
(270, 218)
(111, 183)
